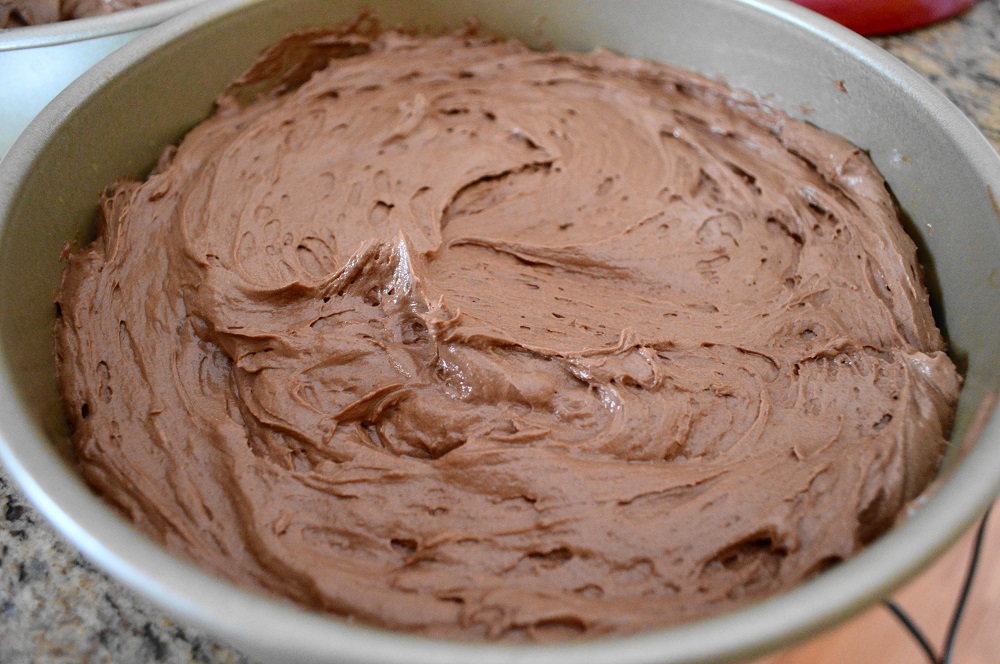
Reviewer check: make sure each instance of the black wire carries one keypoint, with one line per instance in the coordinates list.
(913, 630)
(956, 618)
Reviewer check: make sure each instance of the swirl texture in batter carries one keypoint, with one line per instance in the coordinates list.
(459, 338)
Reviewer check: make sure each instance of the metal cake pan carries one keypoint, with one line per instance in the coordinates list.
(115, 120)
(37, 62)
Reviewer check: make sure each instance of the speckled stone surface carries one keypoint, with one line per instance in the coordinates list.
(962, 58)
(56, 607)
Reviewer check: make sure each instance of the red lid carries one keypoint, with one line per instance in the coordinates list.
(872, 17)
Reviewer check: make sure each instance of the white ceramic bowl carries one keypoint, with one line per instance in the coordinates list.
(37, 62)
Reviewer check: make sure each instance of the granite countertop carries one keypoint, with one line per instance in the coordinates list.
(56, 607)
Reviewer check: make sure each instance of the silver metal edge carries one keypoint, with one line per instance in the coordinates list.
(95, 27)
(266, 626)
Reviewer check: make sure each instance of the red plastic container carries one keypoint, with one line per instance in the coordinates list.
(874, 17)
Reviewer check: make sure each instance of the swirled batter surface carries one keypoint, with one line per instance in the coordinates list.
(20, 13)
(473, 341)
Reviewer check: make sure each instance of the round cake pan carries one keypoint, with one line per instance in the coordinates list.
(115, 120)
(38, 61)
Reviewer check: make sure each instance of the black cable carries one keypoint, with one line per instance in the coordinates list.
(956, 618)
(912, 628)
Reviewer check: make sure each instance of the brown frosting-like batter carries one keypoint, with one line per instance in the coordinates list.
(473, 341)
(20, 13)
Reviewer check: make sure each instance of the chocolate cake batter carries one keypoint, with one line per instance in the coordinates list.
(20, 13)
(458, 338)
